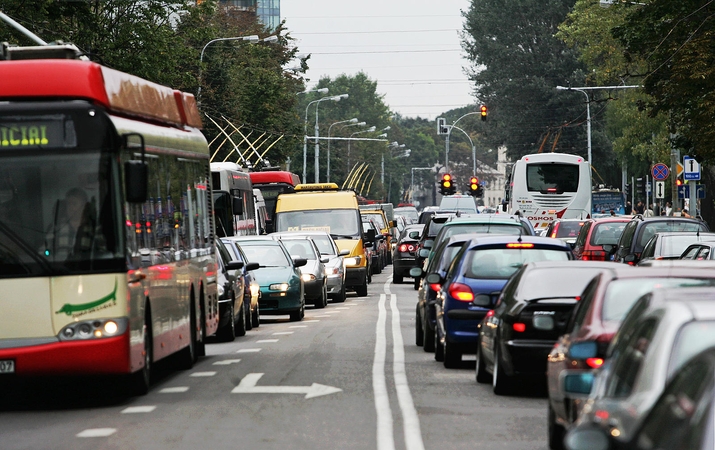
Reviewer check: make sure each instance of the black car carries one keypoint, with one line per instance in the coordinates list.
(249, 279)
(640, 229)
(404, 257)
(232, 295)
(530, 314)
(432, 227)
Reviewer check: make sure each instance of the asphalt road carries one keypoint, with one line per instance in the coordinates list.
(347, 377)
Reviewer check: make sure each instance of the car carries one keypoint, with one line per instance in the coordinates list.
(404, 257)
(427, 212)
(335, 267)
(670, 245)
(385, 226)
(604, 304)
(701, 251)
(251, 289)
(664, 328)
(409, 213)
(565, 229)
(315, 280)
(681, 417)
(597, 239)
(530, 314)
(640, 229)
(482, 266)
(425, 320)
(378, 246)
(231, 295)
(278, 275)
(434, 223)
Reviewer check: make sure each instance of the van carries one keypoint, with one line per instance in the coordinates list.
(322, 207)
(459, 202)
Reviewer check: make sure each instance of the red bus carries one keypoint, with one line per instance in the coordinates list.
(272, 183)
(108, 262)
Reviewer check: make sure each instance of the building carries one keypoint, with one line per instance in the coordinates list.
(268, 11)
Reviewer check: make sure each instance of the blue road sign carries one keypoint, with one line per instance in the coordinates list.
(691, 168)
(683, 191)
(660, 172)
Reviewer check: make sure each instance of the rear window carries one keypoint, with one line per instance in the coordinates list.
(265, 254)
(567, 229)
(434, 228)
(300, 248)
(693, 338)
(549, 176)
(378, 219)
(324, 245)
(556, 283)
(649, 229)
(494, 228)
(458, 204)
(607, 233)
(501, 263)
(676, 245)
(622, 294)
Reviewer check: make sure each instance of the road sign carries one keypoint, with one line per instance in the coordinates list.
(660, 172)
(659, 189)
(691, 168)
(678, 169)
(248, 385)
(700, 190)
(683, 191)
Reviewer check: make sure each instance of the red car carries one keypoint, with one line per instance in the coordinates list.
(594, 234)
(605, 301)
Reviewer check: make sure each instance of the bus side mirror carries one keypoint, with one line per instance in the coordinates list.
(136, 173)
(237, 204)
(371, 235)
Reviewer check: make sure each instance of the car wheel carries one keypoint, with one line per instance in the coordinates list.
(419, 332)
(297, 316)
(429, 334)
(452, 358)
(556, 432)
(341, 296)
(362, 289)
(249, 319)
(438, 347)
(322, 301)
(481, 368)
(369, 276)
(501, 383)
(241, 323)
(397, 279)
(417, 283)
(255, 318)
(227, 333)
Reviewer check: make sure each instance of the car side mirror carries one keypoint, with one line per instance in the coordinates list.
(416, 272)
(433, 278)
(609, 248)
(252, 266)
(299, 262)
(234, 265)
(345, 252)
(370, 235)
(392, 224)
(583, 350)
(423, 253)
(414, 235)
(578, 385)
(629, 258)
(368, 244)
(484, 300)
(324, 260)
(428, 243)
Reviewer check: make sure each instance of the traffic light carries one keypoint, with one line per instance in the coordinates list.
(678, 182)
(483, 111)
(640, 187)
(475, 189)
(627, 189)
(447, 185)
(442, 126)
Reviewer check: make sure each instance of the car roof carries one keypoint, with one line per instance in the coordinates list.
(264, 238)
(700, 300)
(680, 263)
(300, 233)
(666, 219)
(481, 218)
(569, 264)
(685, 233)
(495, 239)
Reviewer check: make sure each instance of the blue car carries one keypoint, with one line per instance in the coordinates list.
(482, 266)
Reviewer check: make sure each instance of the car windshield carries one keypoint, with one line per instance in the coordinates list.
(486, 228)
(434, 228)
(265, 253)
(693, 338)
(377, 218)
(503, 262)
(342, 223)
(607, 233)
(622, 294)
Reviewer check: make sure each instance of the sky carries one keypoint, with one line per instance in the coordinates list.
(412, 48)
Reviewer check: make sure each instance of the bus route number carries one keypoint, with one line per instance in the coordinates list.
(7, 366)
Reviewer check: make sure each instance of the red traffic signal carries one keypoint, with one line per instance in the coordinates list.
(678, 182)
(447, 185)
(474, 188)
(483, 111)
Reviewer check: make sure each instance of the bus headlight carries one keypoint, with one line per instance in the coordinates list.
(93, 329)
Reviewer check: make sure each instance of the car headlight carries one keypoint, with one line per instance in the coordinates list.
(278, 287)
(221, 290)
(354, 261)
(255, 289)
(93, 329)
(308, 277)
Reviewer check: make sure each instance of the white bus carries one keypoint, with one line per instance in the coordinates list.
(107, 252)
(234, 203)
(546, 186)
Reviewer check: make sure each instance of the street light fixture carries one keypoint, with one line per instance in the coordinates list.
(354, 120)
(320, 91)
(334, 98)
(369, 130)
(393, 145)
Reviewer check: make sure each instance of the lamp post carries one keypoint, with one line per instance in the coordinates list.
(392, 145)
(474, 150)
(446, 142)
(412, 180)
(320, 91)
(353, 120)
(337, 98)
(252, 38)
(305, 133)
(369, 130)
(359, 124)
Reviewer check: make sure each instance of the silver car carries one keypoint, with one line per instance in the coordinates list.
(313, 273)
(661, 332)
(334, 267)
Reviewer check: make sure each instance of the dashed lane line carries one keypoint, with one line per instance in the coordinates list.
(282, 333)
(227, 362)
(203, 374)
(266, 341)
(174, 390)
(248, 350)
(97, 432)
(138, 409)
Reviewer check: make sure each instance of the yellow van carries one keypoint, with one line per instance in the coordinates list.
(321, 206)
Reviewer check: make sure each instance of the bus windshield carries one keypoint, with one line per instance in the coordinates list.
(57, 215)
(554, 177)
(340, 223)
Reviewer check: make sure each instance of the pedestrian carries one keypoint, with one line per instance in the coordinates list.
(640, 208)
(648, 212)
(668, 209)
(628, 209)
(685, 213)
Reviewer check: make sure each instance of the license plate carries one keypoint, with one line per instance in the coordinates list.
(7, 366)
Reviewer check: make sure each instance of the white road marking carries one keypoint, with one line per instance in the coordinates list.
(342, 308)
(385, 438)
(227, 362)
(282, 333)
(174, 390)
(248, 350)
(324, 315)
(97, 432)
(138, 409)
(299, 326)
(203, 374)
(248, 385)
(311, 321)
(267, 341)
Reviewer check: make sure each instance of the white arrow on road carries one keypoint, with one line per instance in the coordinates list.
(248, 386)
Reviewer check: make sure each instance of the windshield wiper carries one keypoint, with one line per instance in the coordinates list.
(22, 245)
(342, 236)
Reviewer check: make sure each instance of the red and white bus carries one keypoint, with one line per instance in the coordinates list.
(107, 260)
(546, 186)
(272, 183)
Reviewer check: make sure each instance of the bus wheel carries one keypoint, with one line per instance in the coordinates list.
(138, 383)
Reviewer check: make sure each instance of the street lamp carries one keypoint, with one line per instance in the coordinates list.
(320, 91)
(392, 145)
(252, 38)
(354, 120)
(334, 98)
(369, 130)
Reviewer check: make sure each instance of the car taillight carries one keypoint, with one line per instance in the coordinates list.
(593, 255)
(461, 292)
(404, 248)
(519, 327)
(435, 287)
(594, 363)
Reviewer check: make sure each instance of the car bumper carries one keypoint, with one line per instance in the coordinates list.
(528, 356)
(402, 266)
(272, 302)
(313, 289)
(335, 284)
(460, 328)
(355, 276)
